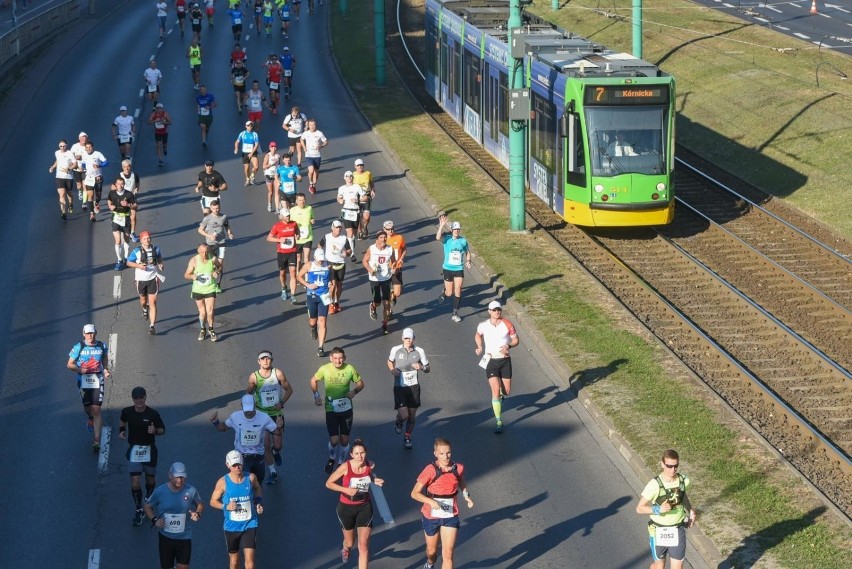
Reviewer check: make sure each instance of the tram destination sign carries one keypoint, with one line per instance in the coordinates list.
(626, 95)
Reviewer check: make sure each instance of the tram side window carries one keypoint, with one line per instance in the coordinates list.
(543, 134)
(431, 49)
(445, 49)
(471, 80)
(455, 75)
(504, 104)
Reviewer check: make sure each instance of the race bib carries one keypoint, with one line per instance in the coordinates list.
(446, 510)
(140, 453)
(239, 79)
(119, 219)
(90, 381)
(123, 138)
(269, 398)
(152, 87)
(483, 363)
(159, 125)
(242, 513)
(409, 377)
(202, 279)
(196, 21)
(238, 21)
(288, 72)
(455, 258)
(289, 187)
(666, 536)
(247, 148)
(181, 9)
(349, 214)
(273, 85)
(288, 242)
(304, 232)
(285, 13)
(250, 438)
(341, 405)
(175, 523)
(204, 111)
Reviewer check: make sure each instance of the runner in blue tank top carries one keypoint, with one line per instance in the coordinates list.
(240, 497)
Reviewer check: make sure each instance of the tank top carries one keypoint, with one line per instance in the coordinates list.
(360, 481)
(254, 100)
(380, 261)
(245, 516)
(267, 393)
(318, 275)
(160, 127)
(194, 55)
(204, 283)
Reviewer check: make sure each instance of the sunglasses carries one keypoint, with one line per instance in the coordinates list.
(495, 310)
(671, 465)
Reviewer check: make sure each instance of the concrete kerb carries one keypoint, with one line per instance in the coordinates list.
(538, 346)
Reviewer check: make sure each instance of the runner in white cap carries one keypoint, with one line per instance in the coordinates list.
(240, 496)
(497, 335)
(248, 425)
(405, 363)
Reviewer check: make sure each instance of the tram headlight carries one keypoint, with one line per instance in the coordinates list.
(599, 188)
(661, 187)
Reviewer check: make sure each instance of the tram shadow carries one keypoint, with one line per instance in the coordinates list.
(586, 377)
(752, 548)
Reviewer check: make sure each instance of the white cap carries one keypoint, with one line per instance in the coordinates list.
(249, 123)
(122, 108)
(455, 225)
(337, 223)
(359, 162)
(347, 174)
(159, 105)
(494, 304)
(248, 403)
(387, 224)
(233, 457)
(408, 333)
(319, 255)
(89, 329)
(286, 48)
(82, 134)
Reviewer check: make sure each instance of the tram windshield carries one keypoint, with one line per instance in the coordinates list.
(627, 140)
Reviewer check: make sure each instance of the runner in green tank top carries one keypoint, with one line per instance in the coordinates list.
(203, 270)
(342, 382)
(271, 391)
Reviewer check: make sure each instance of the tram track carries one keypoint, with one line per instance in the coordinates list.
(757, 306)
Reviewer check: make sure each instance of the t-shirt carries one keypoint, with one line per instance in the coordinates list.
(131, 181)
(337, 385)
(351, 194)
(248, 433)
(137, 429)
(454, 253)
(336, 248)
(236, 17)
(363, 179)
(162, 8)
(148, 257)
(287, 176)
(174, 508)
(403, 360)
(285, 233)
(295, 125)
(124, 125)
(217, 225)
(313, 140)
(445, 484)
(153, 76)
(677, 514)
(320, 275)
(214, 178)
(247, 140)
(238, 74)
(93, 163)
(64, 159)
(397, 241)
(303, 217)
(115, 198)
(205, 104)
(495, 337)
(89, 359)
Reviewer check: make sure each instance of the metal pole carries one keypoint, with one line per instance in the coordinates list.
(343, 7)
(517, 205)
(554, 5)
(637, 28)
(379, 25)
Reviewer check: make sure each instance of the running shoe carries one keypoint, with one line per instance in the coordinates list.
(373, 311)
(455, 317)
(337, 307)
(344, 554)
(97, 208)
(201, 335)
(90, 425)
(118, 265)
(152, 331)
(293, 299)
(428, 565)
(499, 428)
(284, 294)
(442, 297)
(329, 466)
(134, 237)
(314, 334)
(269, 207)
(384, 326)
(331, 308)
(63, 215)
(92, 217)
(276, 456)
(251, 179)
(160, 163)
(407, 443)
(247, 182)
(273, 478)
(320, 352)
(96, 446)
(85, 207)
(204, 143)
(71, 207)
(353, 258)
(397, 426)
(138, 517)
(312, 188)
(213, 336)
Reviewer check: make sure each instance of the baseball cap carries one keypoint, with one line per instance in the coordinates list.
(144, 234)
(82, 134)
(208, 163)
(178, 470)
(286, 48)
(283, 212)
(319, 255)
(264, 354)
(347, 174)
(233, 457)
(248, 402)
(359, 162)
(249, 123)
(494, 304)
(89, 329)
(455, 225)
(273, 143)
(408, 333)
(122, 108)
(388, 224)
(138, 392)
(337, 223)
(160, 106)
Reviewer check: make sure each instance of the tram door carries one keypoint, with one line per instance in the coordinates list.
(576, 184)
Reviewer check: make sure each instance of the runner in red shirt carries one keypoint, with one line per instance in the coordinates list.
(180, 8)
(274, 76)
(161, 121)
(284, 233)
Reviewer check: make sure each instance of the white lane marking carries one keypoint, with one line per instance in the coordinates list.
(782, 28)
(153, 55)
(112, 347)
(94, 559)
(159, 45)
(726, 5)
(103, 459)
(836, 7)
(116, 287)
(803, 36)
(773, 9)
(759, 19)
(823, 15)
(136, 113)
(381, 503)
(142, 92)
(825, 45)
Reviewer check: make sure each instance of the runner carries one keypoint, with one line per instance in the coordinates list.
(78, 149)
(315, 278)
(296, 5)
(437, 488)
(342, 383)
(336, 247)
(153, 77)
(405, 362)
(248, 425)
(64, 165)
(283, 234)
(255, 100)
(303, 215)
(121, 203)
(268, 7)
(396, 241)
(379, 260)
(313, 140)
(93, 180)
(258, 13)
(288, 62)
(193, 54)
(147, 259)
(123, 131)
(243, 495)
(210, 9)
(355, 510)
(139, 426)
(162, 13)
(195, 16)
(664, 499)
(248, 143)
(274, 77)
(239, 76)
(284, 16)
(210, 184)
(203, 271)
(88, 359)
(161, 121)
(205, 103)
(287, 177)
(271, 391)
(132, 183)
(364, 178)
(180, 9)
(271, 160)
(456, 258)
(169, 508)
(215, 227)
(238, 54)
(349, 196)
(294, 124)
(498, 336)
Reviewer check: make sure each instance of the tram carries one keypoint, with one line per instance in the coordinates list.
(600, 137)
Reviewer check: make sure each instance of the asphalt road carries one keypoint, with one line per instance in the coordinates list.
(550, 492)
